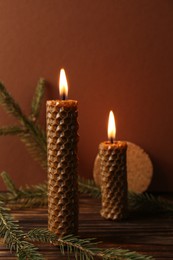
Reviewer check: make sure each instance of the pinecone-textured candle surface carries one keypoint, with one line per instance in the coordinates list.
(62, 139)
(113, 179)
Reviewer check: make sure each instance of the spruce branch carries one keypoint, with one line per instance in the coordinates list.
(37, 100)
(11, 130)
(10, 105)
(83, 248)
(24, 197)
(33, 196)
(33, 136)
(123, 254)
(35, 142)
(41, 235)
(14, 237)
(148, 203)
(9, 183)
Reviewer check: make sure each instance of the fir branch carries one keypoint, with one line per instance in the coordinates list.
(24, 197)
(37, 100)
(14, 236)
(41, 235)
(123, 254)
(10, 105)
(29, 197)
(34, 137)
(35, 142)
(148, 203)
(11, 130)
(33, 196)
(87, 186)
(83, 248)
(9, 183)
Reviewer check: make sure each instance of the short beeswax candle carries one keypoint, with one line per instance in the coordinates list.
(113, 175)
(62, 139)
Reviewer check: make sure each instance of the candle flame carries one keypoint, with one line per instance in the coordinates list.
(111, 127)
(63, 86)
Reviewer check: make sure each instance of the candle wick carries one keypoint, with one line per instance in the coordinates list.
(63, 96)
(111, 140)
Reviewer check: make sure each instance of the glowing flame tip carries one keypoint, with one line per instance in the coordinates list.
(111, 127)
(63, 86)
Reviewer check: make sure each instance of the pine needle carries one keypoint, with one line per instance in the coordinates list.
(11, 130)
(14, 237)
(37, 100)
(35, 142)
(83, 248)
(24, 197)
(33, 196)
(9, 183)
(123, 254)
(41, 235)
(33, 136)
(148, 203)
(10, 105)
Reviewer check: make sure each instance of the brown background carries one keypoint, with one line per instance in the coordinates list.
(117, 54)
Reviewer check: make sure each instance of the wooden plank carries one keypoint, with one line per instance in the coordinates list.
(152, 235)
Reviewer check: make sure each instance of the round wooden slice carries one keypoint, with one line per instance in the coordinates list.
(139, 169)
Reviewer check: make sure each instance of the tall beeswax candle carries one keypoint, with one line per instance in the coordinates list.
(113, 175)
(62, 139)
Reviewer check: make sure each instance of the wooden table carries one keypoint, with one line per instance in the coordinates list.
(152, 235)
